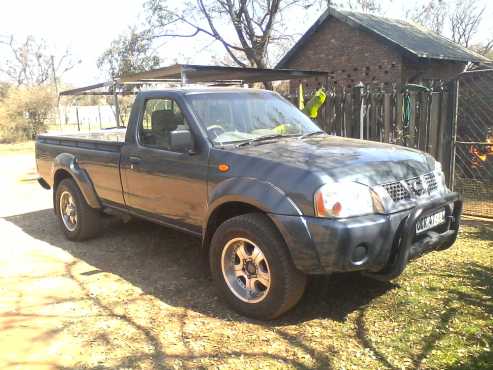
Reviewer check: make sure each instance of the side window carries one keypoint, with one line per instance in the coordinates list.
(161, 118)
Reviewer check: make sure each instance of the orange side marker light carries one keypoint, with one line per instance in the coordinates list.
(223, 167)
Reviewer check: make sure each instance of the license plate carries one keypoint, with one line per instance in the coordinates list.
(429, 222)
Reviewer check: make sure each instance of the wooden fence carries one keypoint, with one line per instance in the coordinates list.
(413, 116)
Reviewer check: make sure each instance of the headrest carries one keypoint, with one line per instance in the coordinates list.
(163, 120)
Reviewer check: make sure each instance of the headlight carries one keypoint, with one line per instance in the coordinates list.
(346, 200)
(440, 176)
(438, 167)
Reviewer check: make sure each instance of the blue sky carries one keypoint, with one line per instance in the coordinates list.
(87, 28)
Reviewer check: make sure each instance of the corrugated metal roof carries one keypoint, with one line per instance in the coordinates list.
(410, 37)
(192, 73)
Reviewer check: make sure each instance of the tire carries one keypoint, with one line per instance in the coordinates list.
(87, 220)
(234, 248)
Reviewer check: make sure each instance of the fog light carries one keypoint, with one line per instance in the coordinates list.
(360, 254)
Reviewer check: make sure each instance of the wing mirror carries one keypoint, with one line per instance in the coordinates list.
(182, 141)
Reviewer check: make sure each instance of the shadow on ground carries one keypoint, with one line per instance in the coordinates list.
(170, 266)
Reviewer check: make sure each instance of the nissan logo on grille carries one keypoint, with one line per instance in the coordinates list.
(417, 187)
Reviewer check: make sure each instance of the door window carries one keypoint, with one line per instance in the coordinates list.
(161, 118)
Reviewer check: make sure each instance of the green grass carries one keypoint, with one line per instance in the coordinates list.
(442, 314)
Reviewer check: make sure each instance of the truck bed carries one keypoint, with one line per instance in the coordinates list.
(97, 153)
(99, 140)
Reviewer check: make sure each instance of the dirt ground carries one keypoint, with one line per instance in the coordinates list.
(139, 296)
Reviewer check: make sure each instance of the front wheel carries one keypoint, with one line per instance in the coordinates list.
(252, 268)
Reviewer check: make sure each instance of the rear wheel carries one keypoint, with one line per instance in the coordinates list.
(77, 219)
(252, 268)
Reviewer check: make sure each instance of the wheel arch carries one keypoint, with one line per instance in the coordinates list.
(65, 166)
(236, 196)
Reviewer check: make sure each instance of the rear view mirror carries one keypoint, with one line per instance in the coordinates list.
(181, 141)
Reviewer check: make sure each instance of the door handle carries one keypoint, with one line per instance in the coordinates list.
(134, 160)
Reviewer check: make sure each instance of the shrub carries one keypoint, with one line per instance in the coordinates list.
(24, 112)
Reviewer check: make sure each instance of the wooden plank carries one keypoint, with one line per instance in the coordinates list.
(387, 117)
(356, 110)
(411, 132)
(422, 121)
(398, 118)
(443, 124)
(433, 137)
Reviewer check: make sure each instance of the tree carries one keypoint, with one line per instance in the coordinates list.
(365, 6)
(27, 62)
(457, 19)
(431, 14)
(130, 52)
(465, 20)
(24, 112)
(246, 29)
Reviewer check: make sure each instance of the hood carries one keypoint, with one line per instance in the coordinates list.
(341, 159)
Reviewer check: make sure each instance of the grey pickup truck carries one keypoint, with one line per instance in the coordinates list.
(272, 197)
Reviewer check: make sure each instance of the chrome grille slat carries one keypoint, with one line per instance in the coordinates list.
(413, 187)
(397, 191)
(431, 182)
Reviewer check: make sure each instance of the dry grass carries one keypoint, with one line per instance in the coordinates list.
(140, 296)
(26, 147)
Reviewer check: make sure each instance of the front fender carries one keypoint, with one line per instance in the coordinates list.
(279, 207)
(68, 162)
(261, 194)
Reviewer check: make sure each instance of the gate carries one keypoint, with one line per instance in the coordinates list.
(474, 142)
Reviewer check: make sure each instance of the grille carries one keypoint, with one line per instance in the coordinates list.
(431, 182)
(416, 186)
(397, 191)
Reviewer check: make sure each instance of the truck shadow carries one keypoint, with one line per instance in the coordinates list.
(171, 266)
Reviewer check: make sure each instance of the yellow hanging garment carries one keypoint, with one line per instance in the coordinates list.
(312, 107)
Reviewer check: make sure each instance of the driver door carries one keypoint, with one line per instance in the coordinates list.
(159, 182)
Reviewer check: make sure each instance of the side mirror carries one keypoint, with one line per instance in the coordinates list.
(181, 141)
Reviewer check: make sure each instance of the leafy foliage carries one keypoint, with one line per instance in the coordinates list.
(24, 112)
(131, 52)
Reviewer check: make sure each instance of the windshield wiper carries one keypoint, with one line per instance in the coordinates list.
(262, 138)
(313, 133)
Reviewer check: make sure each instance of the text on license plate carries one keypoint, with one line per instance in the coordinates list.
(428, 222)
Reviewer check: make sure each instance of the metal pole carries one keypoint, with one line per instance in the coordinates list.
(55, 82)
(99, 114)
(455, 113)
(117, 107)
(77, 114)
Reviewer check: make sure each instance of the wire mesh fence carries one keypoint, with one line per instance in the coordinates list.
(474, 143)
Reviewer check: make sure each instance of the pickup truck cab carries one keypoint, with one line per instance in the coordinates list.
(272, 197)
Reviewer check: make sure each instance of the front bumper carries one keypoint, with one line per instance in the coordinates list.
(379, 245)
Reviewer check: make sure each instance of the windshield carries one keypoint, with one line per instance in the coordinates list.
(233, 117)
